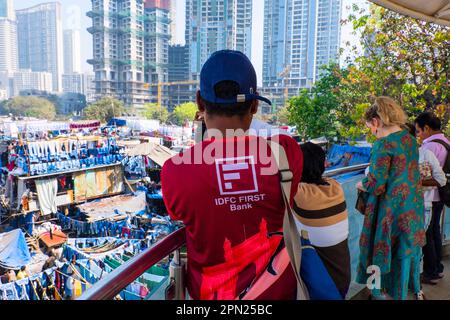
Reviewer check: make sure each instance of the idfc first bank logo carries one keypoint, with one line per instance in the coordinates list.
(236, 175)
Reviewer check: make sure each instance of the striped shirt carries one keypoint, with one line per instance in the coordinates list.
(321, 211)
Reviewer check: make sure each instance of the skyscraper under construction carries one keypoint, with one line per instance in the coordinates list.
(130, 44)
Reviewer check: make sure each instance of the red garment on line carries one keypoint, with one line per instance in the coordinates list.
(10, 166)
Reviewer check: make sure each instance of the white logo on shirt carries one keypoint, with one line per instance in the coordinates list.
(236, 175)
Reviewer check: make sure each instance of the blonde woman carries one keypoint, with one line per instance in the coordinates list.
(393, 231)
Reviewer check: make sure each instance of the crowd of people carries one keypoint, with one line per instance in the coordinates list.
(70, 269)
(244, 221)
(12, 276)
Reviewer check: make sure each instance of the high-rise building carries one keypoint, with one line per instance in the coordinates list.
(173, 22)
(3, 94)
(40, 39)
(213, 25)
(17, 81)
(89, 87)
(300, 36)
(328, 34)
(77, 83)
(157, 31)
(7, 9)
(178, 63)
(179, 72)
(8, 37)
(6, 84)
(72, 51)
(130, 47)
(118, 49)
(27, 79)
(82, 83)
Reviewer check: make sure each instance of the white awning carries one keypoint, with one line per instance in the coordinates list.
(436, 11)
(157, 153)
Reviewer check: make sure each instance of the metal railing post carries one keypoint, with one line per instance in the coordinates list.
(177, 275)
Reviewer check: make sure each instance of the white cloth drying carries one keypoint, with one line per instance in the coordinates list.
(47, 190)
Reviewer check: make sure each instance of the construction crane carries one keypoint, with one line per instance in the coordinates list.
(168, 84)
(283, 75)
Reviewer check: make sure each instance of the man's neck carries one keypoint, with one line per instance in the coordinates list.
(433, 133)
(228, 127)
(430, 137)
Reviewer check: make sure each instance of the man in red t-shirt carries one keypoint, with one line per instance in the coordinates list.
(226, 189)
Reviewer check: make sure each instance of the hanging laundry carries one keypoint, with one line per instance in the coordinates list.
(77, 288)
(126, 232)
(62, 182)
(144, 291)
(47, 190)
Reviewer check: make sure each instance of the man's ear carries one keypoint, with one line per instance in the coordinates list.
(254, 107)
(427, 129)
(200, 104)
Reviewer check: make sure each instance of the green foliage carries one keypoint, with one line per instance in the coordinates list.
(315, 112)
(153, 111)
(282, 116)
(183, 112)
(404, 58)
(268, 118)
(29, 107)
(104, 109)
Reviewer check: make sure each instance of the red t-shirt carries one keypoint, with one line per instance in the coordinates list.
(229, 202)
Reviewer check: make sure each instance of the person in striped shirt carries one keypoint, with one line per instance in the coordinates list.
(322, 216)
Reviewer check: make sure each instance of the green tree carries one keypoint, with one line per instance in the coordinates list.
(404, 58)
(29, 107)
(269, 118)
(183, 112)
(152, 111)
(314, 112)
(282, 116)
(104, 109)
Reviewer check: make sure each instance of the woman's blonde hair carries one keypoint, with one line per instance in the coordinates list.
(388, 111)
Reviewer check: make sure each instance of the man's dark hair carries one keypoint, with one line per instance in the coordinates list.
(227, 90)
(428, 119)
(22, 268)
(313, 164)
(411, 129)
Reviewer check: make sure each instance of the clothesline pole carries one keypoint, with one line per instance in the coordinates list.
(27, 156)
(66, 275)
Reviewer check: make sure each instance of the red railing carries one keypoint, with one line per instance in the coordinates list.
(112, 284)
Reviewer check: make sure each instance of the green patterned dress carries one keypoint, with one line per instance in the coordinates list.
(393, 231)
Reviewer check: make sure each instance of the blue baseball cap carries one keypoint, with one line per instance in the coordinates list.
(232, 66)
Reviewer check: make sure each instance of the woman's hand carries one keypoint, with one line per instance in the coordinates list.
(360, 186)
(429, 182)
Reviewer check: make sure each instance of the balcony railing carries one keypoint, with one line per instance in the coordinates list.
(112, 284)
(344, 170)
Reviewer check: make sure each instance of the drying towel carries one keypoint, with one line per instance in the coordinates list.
(47, 190)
